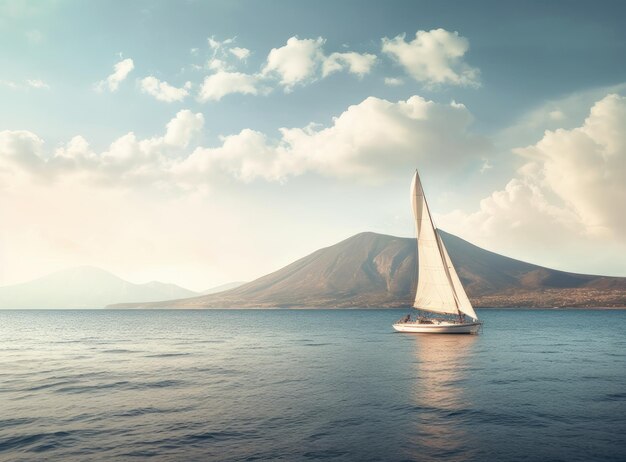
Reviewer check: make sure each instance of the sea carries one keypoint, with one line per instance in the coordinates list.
(296, 385)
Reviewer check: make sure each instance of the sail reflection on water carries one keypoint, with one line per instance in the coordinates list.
(442, 408)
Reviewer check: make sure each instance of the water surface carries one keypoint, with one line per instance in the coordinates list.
(309, 385)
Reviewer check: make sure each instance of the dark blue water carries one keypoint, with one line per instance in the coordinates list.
(309, 385)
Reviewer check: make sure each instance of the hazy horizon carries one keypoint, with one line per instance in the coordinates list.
(227, 283)
(199, 144)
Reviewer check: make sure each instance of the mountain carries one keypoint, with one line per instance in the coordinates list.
(223, 287)
(84, 287)
(376, 270)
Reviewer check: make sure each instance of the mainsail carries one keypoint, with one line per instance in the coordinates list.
(439, 288)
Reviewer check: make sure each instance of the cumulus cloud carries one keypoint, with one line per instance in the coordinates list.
(223, 83)
(371, 141)
(566, 112)
(216, 64)
(355, 63)
(434, 57)
(120, 72)
(570, 189)
(128, 160)
(20, 148)
(296, 62)
(162, 90)
(74, 154)
(586, 166)
(302, 61)
(225, 78)
(378, 138)
(240, 53)
(182, 128)
(521, 213)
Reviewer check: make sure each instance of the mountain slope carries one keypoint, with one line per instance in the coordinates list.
(84, 287)
(376, 270)
(223, 287)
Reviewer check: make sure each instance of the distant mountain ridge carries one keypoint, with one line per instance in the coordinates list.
(376, 270)
(84, 287)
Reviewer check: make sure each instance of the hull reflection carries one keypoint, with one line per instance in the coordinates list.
(441, 430)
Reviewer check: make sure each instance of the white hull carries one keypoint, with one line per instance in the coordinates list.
(442, 327)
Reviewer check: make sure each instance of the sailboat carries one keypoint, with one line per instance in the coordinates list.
(442, 304)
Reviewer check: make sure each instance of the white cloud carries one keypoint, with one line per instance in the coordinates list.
(569, 195)
(566, 112)
(302, 61)
(557, 115)
(216, 44)
(434, 57)
(75, 154)
(21, 149)
(30, 83)
(486, 166)
(223, 53)
(223, 83)
(356, 63)
(240, 53)
(371, 142)
(120, 72)
(9, 83)
(37, 83)
(245, 156)
(520, 214)
(128, 160)
(393, 81)
(182, 128)
(163, 91)
(216, 64)
(586, 166)
(377, 138)
(296, 62)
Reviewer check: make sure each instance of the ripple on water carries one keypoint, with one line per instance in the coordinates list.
(167, 355)
(49, 385)
(11, 423)
(141, 411)
(123, 384)
(324, 454)
(45, 441)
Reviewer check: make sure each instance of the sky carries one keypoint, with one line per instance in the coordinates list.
(203, 142)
